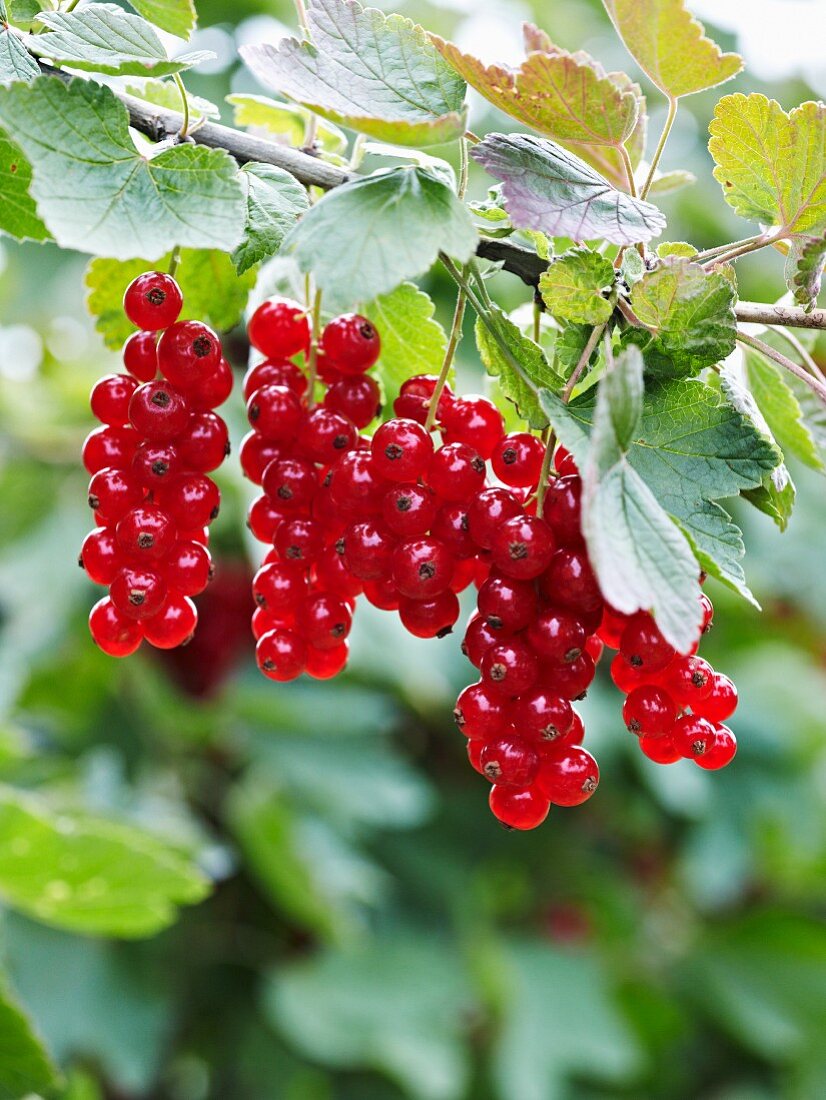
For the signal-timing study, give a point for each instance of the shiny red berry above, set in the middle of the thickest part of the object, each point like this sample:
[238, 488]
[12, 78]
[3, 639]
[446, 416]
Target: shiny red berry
[487, 511]
[146, 532]
[100, 555]
[368, 550]
[113, 492]
[138, 593]
[563, 509]
[114, 633]
[473, 420]
[569, 582]
[510, 667]
[649, 711]
[480, 713]
[323, 621]
[720, 752]
[279, 328]
[350, 344]
[721, 701]
[187, 567]
[401, 450]
[523, 547]
[557, 636]
[153, 301]
[692, 736]
[188, 352]
[408, 510]
[643, 646]
[275, 413]
[109, 446]
[275, 372]
[140, 355]
[158, 411]
[279, 587]
[540, 715]
[510, 761]
[356, 397]
[517, 459]
[518, 807]
[457, 471]
[431, 618]
[569, 776]
[479, 637]
[204, 443]
[422, 568]
[506, 603]
[110, 398]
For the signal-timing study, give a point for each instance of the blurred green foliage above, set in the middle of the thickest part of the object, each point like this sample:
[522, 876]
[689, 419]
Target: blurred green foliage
[372, 934]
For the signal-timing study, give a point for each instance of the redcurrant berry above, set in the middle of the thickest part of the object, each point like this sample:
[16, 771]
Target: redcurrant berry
[158, 411]
[510, 761]
[649, 711]
[140, 355]
[569, 777]
[279, 328]
[721, 701]
[138, 593]
[518, 807]
[523, 547]
[517, 460]
[114, 633]
[480, 713]
[401, 450]
[431, 618]
[153, 301]
[350, 343]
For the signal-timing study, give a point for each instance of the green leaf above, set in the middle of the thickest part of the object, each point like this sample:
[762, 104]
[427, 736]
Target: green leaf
[334, 1009]
[804, 269]
[565, 96]
[549, 189]
[666, 183]
[213, 291]
[275, 202]
[16, 63]
[102, 38]
[286, 120]
[175, 16]
[573, 287]
[165, 93]
[89, 874]
[640, 557]
[364, 238]
[22, 12]
[412, 340]
[25, 1067]
[781, 408]
[18, 213]
[368, 71]
[692, 450]
[670, 45]
[690, 313]
[528, 355]
[568, 349]
[97, 194]
[772, 165]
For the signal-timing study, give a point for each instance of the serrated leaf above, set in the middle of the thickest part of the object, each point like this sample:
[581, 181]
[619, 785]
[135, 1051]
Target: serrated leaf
[275, 202]
[565, 96]
[690, 315]
[164, 93]
[530, 357]
[175, 16]
[666, 183]
[568, 349]
[573, 287]
[412, 340]
[671, 46]
[676, 248]
[692, 450]
[18, 213]
[286, 120]
[369, 71]
[772, 165]
[781, 409]
[364, 238]
[804, 269]
[547, 188]
[212, 290]
[25, 1067]
[97, 194]
[102, 38]
[16, 63]
[88, 874]
[23, 12]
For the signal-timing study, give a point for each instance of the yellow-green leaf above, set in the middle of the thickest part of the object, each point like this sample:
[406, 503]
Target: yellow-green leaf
[285, 120]
[574, 285]
[412, 340]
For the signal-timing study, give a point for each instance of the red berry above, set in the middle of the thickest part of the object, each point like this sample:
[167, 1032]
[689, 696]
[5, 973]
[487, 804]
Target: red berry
[290, 483]
[625, 677]
[720, 752]
[279, 587]
[188, 352]
[138, 593]
[255, 455]
[721, 701]
[571, 681]
[509, 761]
[540, 715]
[263, 518]
[708, 612]
[473, 420]
[299, 539]
[505, 603]
[401, 450]
[156, 463]
[474, 754]
[689, 680]
[564, 462]
[323, 621]
[187, 567]
[356, 486]
[100, 555]
[509, 668]
[643, 646]
[487, 511]
[457, 471]
[523, 547]
[422, 568]
[112, 493]
[659, 749]
[557, 636]
[153, 301]
[109, 447]
[563, 509]
[204, 443]
[350, 344]
[192, 500]
[356, 397]
[432, 618]
[114, 633]
[146, 532]
[279, 328]
[174, 624]
[333, 575]
[275, 372]
[368, 550]
[451, 526]
[518, 460]
[517, 807]
[569, 776]
[382, 593]
[611, 627]
[649, 711]
[569, 582]
[158, 411]
[594, 647]
[275, 412]
[326, 435]
[408, 510]
[140, 355]
[691, 736]
[479, 637]
[110, 398]
[281, 655]
[480, 713]
[323, 664]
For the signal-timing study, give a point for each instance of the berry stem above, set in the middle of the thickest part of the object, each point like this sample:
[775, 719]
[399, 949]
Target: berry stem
[783, 361]
[658, 152]
[582, 363]
[629, 171]
[175, 260]
[537, 322]
[182, 133]
[545, 473]
[743, 249]
[301, 14]
[450, 351]
[315, 332]
[718, 249]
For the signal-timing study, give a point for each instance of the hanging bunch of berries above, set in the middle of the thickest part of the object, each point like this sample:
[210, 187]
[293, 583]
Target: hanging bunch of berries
[149, 462]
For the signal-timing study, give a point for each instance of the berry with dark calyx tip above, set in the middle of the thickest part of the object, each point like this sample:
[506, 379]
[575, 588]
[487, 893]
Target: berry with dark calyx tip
[153, 301]
[263, 518]
[255, 455]
[401, 450]
[299, 539]
[188, 352]
[479, 637]
[510, 667]
[521, 808]
[279, 328]
[708, 613]
[432, 618]
[691, 736]
[356, 485]
[542, 716]
[569, 582]
[568, 777]
[326, 435]
[275, 372]
[323, 621]
[506, 603]
[114, 633]
[110, 398]
[368, 550]
[480, 713]
[174, 624]
[324, 664]
[332, 574]
[721, 701]
[625, 677]
[643, 646]
[350, 343]
[140, 355]
[112, 493]
[649, 711]
[156, 463]
[689, 680]
[192, 500]
[451, 526]
[188, 567]
[557, 636]
[659, 749]
[109, 446]
[146, 532]
[562, 509]
[408, 510]
[594, 647]
[457, 471]
[213, 390]
[204, 443]
[422, 568]
[276, 413]
[487, 511]
[523, 547]
[291, 483]
[571, 681]
[720, 752]
[564, 462]
[158, 411]
[382, 593]
[138, 593]
[356, 397]
[100, 555]
[611, 627]
[473, 420]
[517, 459]
[510, 761]
[279, 587]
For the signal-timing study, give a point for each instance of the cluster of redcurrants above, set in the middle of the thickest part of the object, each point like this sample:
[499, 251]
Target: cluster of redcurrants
[675, 704]
[304, 593]
[150, 492]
